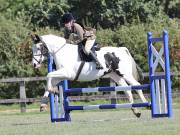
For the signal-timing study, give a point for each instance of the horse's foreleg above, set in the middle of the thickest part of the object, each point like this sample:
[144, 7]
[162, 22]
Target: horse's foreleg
[55, 77]
[44, 101]
[60, 73]
[49, 84]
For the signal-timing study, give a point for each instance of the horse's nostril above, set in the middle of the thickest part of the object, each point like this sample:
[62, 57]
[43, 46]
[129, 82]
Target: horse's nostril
[34, 65]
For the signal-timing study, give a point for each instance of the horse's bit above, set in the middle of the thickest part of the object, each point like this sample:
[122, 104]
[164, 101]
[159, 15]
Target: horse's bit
[44, 52]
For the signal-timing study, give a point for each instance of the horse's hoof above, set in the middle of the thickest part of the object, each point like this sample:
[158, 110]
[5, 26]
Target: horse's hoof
[50, 91]
[136, 112]
[138, 115]
[43, 108]
[53, 90]
[148, 107]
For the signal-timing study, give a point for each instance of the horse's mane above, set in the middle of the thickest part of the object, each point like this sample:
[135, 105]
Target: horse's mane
[53, 39]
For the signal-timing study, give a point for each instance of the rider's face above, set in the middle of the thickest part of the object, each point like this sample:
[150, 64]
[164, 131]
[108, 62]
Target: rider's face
[69, 25]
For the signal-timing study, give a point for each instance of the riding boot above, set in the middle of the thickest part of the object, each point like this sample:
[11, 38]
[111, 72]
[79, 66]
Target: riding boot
[98, 64]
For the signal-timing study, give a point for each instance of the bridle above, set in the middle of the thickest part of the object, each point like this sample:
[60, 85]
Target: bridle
[43, 48]
[44, 52]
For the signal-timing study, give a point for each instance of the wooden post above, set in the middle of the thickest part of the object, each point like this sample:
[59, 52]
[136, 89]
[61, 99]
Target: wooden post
[113, 93]
[22, 96]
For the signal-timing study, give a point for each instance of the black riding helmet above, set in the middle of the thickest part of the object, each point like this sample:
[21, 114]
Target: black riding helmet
[67, 17]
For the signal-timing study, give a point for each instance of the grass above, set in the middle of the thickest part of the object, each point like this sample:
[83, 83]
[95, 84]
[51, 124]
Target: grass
[107, 122]
[90, 123]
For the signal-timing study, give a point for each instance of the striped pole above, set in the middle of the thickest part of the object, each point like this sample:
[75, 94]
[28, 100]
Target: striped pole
[107, 89]
[107, 106]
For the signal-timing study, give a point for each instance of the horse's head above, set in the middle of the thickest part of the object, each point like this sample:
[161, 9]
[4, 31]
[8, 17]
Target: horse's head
[39, 51]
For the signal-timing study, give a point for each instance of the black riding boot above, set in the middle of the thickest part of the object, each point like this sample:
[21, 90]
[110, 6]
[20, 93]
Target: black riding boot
[98, 64]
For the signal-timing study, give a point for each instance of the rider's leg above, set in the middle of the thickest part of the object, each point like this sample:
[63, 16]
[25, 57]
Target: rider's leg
[89, 44]
[98, 64]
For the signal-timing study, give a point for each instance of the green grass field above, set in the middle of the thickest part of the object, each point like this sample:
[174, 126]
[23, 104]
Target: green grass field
[108, 122]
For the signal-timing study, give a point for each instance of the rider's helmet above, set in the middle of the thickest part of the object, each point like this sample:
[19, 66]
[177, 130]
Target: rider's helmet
[67, 17]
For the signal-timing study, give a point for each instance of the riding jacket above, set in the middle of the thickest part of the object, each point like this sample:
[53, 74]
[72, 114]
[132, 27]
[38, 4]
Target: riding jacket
[79, 33]
[75, 35]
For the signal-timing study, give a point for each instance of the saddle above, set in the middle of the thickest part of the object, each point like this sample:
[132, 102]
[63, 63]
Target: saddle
[111, 60]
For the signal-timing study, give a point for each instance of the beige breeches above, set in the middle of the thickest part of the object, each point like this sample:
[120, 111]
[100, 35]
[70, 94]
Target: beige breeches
[89, 44]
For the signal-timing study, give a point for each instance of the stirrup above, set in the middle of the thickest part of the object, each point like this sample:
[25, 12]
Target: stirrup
[98, 66]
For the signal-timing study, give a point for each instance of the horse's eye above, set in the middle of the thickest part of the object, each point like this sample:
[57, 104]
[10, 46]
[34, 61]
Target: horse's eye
[38, 49]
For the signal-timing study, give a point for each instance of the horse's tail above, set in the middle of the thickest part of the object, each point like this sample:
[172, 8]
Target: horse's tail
[137, 71]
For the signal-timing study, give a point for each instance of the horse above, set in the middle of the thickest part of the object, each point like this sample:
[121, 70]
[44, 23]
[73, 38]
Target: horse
[69, 64]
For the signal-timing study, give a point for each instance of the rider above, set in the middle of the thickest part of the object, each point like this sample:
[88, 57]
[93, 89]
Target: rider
[75, 33]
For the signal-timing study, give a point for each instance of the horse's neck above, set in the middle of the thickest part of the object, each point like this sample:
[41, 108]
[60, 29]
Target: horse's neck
[66, 55]
[53, 42]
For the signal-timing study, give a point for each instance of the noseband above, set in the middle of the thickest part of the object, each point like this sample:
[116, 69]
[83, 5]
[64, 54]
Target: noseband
[44, 52]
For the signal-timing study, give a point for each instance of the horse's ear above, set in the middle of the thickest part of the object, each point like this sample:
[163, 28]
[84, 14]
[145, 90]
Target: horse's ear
[35, 38]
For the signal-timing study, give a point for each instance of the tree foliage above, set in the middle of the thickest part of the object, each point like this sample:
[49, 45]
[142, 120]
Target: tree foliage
[118, 23]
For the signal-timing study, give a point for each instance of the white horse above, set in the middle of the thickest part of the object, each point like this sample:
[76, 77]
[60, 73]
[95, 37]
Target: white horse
[67, 62]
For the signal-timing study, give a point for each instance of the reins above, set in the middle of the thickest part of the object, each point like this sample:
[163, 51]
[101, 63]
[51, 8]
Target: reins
[44, 51]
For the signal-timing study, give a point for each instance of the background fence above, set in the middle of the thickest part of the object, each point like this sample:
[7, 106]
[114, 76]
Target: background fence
[23, 99]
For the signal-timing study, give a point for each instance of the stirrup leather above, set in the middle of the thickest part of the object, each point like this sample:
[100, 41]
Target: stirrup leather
[98, 64]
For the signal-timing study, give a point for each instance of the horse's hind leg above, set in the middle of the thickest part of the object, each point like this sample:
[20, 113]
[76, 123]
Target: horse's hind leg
[120, 81]
[130, 80]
